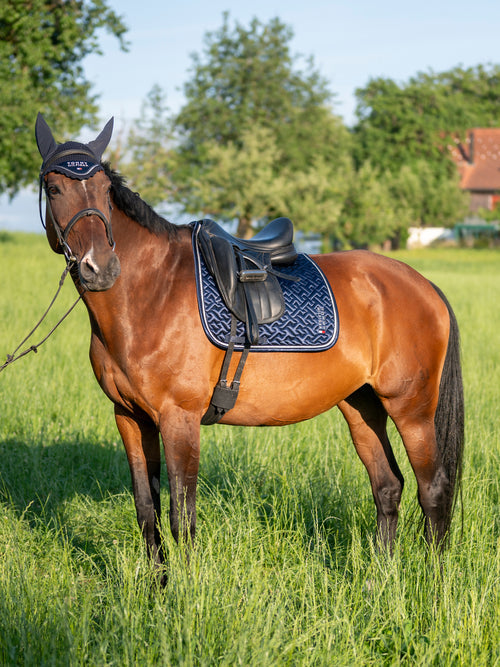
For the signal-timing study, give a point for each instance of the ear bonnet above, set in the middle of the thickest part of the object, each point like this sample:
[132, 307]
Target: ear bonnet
[73, 159]
[78, 161]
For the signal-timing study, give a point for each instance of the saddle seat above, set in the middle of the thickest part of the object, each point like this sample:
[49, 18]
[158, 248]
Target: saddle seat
[276, 238]
[244, 273]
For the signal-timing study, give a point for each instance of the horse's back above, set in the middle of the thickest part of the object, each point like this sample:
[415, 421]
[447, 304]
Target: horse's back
[392, 326]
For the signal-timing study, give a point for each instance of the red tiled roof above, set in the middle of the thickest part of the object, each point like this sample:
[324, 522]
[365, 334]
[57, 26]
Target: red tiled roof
[478, 161]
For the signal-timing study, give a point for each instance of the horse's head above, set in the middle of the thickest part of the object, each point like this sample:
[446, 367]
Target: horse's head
[78, 214]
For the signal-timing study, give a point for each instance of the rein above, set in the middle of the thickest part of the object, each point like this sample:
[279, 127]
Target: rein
[70, 263]
[62, 236]
[34, 348]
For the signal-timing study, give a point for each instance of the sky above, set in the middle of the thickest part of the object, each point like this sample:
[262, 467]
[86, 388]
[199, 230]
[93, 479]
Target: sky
[350, 41]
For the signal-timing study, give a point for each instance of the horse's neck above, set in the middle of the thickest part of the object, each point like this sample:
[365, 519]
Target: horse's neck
[150, 264]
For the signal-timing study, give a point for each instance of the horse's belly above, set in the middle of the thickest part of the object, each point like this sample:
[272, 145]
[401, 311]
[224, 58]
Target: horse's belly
[278, 389]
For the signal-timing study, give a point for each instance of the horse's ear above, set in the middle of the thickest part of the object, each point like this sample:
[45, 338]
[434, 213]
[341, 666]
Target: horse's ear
[44, 139]
[98, 146]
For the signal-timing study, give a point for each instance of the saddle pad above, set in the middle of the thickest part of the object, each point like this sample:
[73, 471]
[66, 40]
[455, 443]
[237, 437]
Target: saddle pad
[309, 324]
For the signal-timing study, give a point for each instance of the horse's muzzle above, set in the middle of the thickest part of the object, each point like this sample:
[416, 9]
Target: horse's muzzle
[95, 277]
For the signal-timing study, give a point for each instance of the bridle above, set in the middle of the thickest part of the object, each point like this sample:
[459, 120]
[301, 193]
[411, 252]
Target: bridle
[62, 234]
[49, 151]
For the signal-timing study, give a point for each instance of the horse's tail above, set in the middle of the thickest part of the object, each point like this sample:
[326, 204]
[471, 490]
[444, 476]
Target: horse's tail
[449, 417]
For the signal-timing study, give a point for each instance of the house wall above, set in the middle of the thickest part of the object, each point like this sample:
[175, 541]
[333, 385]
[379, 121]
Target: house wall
[481, 200]
[419, 237]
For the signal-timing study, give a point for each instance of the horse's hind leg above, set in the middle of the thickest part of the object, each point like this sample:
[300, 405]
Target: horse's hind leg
[415, 424]
[367, 420]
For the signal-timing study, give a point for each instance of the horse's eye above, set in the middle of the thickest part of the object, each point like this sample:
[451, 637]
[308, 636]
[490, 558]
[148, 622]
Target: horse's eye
[52, 190]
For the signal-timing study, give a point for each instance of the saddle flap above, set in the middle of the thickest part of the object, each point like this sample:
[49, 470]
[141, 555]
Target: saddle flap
[251, 301]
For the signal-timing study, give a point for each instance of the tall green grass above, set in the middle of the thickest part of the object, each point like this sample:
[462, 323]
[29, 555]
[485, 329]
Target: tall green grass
[284, 571]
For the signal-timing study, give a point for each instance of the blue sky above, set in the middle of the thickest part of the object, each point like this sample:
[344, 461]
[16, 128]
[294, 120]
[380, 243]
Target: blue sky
[351, 42]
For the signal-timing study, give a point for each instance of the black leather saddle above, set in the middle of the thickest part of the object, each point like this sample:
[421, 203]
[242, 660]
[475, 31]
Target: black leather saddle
[245, 272]
[276, 238]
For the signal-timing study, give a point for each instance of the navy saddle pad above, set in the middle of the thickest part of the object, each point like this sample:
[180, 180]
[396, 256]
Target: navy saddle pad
[310, 322]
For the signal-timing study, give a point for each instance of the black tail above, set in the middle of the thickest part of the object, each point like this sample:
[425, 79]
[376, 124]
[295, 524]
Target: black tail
[449, 417]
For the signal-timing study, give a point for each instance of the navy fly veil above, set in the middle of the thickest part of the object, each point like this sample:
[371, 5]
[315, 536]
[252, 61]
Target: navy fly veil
[72, 158]
[309, 324]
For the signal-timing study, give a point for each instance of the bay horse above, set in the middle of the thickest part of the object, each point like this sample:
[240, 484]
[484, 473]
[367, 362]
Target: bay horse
[397, 353]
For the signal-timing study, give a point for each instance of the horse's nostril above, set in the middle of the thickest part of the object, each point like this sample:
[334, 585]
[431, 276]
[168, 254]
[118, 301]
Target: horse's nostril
[98, 277]
[89, 266]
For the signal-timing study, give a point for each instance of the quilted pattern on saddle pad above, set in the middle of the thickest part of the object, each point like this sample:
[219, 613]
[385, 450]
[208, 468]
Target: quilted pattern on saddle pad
[310, 322]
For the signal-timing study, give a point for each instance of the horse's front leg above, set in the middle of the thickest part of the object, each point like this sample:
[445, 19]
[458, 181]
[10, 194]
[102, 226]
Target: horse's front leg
[141, 439]
[180, 431]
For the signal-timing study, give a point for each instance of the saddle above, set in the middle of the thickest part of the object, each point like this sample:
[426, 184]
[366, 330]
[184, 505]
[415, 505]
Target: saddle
[245, 274]
[244, 270]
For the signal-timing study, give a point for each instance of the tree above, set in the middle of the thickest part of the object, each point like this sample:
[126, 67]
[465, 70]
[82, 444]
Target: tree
[42, 45]
[245, 82]
[403, 123]
[314, 197]
[147, 150]
[427, 198]
[411, 127]
[237, 180]
[369, 215]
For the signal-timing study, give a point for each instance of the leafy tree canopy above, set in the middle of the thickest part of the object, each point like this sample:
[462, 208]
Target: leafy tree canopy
[42, 45]
[247, 81]
[147, 150]
[400, 124]
[426, 198]
[369, 213]
[257, 138]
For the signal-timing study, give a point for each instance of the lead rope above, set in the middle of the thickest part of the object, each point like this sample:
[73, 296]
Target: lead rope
[34, 348]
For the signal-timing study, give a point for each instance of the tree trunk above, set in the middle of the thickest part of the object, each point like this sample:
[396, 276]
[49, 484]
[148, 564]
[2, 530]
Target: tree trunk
[244, 230]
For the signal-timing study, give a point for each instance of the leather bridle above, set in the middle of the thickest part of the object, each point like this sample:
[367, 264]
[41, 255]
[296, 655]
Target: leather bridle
[62, 234]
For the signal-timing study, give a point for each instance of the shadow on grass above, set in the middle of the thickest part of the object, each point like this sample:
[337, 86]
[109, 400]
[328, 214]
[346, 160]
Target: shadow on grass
[292, 496]
[71, 487]
[41, 475]
[40, 480]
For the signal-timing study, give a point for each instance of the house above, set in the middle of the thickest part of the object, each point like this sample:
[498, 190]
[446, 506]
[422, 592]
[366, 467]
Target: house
[478, 163]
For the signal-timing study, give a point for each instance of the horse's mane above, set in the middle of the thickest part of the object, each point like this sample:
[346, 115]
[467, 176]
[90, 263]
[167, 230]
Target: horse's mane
[131, 204]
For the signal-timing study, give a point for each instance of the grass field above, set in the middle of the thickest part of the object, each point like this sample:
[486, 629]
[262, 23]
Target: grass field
[284, 571]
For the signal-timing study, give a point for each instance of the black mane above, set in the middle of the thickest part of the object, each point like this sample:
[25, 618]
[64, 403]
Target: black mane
[133, 206]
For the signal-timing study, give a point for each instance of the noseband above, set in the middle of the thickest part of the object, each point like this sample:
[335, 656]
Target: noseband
[62, 234]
